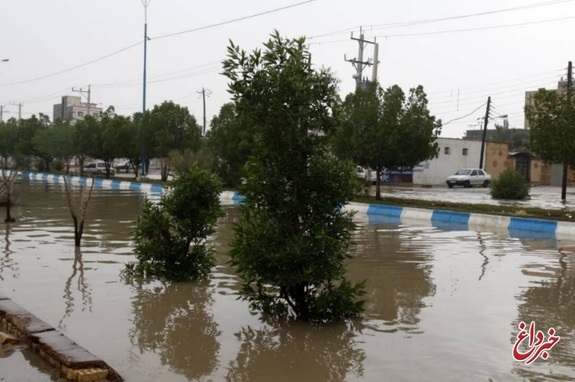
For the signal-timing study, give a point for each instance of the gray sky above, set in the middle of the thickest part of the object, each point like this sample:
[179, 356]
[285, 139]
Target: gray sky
[466, 51]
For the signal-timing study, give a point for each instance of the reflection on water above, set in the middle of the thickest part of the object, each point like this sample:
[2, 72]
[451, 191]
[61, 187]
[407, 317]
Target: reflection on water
[284, 353]
[397, 267]
[550, 303]
[81, 286]
[443, 303]
[174, 321]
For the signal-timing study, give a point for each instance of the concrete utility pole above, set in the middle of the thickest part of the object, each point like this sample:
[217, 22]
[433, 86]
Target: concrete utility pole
[19, 109]
[203, 93]
[88, 92]
[486, 120]
[1, 113]
[145, 3]
[566, 165]
[360, 64]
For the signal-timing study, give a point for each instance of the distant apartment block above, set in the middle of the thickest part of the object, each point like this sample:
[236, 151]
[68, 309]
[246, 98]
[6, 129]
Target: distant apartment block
[529, 98]
[72, 109]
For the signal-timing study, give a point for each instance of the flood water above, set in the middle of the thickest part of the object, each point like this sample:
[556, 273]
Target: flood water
[443, 304]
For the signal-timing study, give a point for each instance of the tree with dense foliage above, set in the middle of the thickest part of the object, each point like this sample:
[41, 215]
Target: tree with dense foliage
[552, 128]
[171, 236]
[9, 153]
[293, 238]
[57, 142]
[171, 127]
[86, 132]
[385, 129]
[231, 139]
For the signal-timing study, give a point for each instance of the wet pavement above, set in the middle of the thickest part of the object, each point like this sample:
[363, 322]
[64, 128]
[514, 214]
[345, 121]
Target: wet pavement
[546, 197]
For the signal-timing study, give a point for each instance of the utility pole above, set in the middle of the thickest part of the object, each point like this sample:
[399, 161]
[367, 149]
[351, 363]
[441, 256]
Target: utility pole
[19, 110]
[203, 93]
[359, 63]
[486, 120]
[88, 92]
[566, 165]
[145, 3]
[1, 113]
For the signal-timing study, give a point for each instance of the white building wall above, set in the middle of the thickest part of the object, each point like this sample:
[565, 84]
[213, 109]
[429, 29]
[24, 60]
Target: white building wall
[453, 155]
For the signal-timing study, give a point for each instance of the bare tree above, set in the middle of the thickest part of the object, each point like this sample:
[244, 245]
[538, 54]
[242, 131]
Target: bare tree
[6, 187]
[78, 209]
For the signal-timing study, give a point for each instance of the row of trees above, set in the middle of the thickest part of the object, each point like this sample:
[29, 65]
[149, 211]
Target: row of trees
[169, 128]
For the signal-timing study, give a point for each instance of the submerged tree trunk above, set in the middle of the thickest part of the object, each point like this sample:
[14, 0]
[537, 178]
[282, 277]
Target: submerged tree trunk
[78, 212]
[7, 183]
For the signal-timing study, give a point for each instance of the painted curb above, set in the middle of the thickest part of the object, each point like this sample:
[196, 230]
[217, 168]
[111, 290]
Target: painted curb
[393, 214]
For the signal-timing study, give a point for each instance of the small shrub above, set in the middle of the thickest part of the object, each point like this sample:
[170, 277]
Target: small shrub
[171, 236]
[511, 185]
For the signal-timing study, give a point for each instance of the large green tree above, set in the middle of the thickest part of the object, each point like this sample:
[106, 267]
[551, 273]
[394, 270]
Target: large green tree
[292, 239]
[171, 127]
[552, 128]
[231, 139]
[57, 142]
[384, 129]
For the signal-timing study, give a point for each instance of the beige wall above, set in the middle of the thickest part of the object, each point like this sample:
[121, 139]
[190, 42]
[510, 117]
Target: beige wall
[496, 160]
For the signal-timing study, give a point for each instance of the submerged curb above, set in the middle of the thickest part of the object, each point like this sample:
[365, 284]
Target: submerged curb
[66, 356]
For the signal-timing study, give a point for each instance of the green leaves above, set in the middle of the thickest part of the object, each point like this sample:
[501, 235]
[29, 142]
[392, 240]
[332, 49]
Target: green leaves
[170, 237]
[292, 240]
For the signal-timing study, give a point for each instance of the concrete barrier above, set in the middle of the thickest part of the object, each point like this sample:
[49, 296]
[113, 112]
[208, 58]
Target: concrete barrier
[63, 354]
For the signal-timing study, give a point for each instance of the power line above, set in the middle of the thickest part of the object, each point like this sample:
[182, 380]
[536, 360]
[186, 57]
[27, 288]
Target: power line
[440, 19]
[465, 116]
[156, 38]
[234, 20]
[70, 69]
[478, 28]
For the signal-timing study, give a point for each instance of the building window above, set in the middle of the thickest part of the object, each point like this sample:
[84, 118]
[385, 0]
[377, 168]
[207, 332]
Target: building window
[447, 151]
[96, 115]
[465, 151]
[80, 114]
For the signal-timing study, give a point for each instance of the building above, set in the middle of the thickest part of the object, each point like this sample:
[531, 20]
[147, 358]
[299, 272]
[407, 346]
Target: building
[453, 154]
[72, 109]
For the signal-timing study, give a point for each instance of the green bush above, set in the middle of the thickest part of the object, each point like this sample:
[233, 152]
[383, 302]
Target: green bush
[511, 185]
[171, 236]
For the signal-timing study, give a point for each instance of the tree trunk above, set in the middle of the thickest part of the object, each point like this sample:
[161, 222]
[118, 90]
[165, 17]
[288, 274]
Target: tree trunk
[9, 218]
[300, 302]
[378, 184]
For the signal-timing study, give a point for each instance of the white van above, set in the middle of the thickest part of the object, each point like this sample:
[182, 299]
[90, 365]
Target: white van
[98, 169]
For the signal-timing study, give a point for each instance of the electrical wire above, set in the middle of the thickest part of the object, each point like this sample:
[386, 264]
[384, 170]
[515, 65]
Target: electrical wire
[465, 116]
[72, 68]
[234, 20]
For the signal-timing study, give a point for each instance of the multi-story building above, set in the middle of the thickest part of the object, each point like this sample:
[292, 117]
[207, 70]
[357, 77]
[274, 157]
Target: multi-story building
[72, 109]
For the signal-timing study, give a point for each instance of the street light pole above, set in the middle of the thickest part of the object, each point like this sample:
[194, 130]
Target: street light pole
[145, 3]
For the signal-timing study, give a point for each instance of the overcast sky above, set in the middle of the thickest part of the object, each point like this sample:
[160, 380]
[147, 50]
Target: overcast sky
[461, 51]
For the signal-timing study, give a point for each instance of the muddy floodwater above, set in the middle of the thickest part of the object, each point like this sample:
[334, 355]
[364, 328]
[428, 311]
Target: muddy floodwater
[443, 303]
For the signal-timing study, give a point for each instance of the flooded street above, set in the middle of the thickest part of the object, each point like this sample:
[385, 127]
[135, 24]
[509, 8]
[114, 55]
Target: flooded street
[442, 304]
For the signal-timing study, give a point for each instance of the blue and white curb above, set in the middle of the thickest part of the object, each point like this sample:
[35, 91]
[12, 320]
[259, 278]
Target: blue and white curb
[463, 221]
[376, 213]
[99, 183]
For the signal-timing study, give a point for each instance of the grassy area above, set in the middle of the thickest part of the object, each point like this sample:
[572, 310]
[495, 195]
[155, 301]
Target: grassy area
[525, 212]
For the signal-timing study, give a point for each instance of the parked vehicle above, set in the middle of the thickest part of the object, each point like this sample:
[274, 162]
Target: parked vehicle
[469, 177]
[97, 169]
[124, 166]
